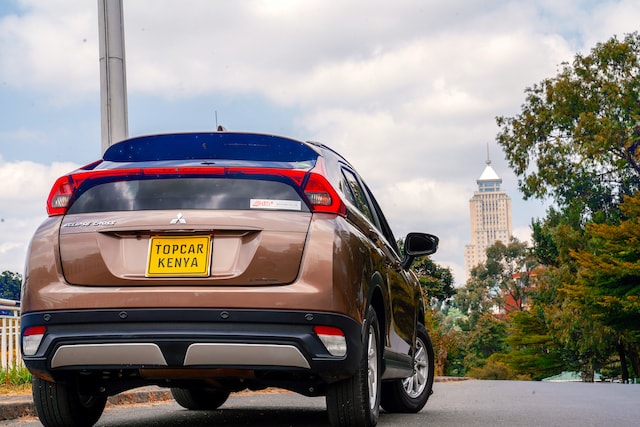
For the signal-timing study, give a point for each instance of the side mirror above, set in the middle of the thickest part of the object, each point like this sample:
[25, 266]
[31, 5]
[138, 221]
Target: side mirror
[418, 244]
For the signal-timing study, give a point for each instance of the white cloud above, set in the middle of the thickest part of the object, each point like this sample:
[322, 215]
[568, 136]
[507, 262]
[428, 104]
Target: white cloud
[53, 49]
[26, 186]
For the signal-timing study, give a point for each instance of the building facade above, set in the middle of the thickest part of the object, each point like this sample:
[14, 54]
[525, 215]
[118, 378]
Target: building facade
[490, 215]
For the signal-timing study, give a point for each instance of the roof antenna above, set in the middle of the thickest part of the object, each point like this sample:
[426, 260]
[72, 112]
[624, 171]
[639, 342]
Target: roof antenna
[219, 128]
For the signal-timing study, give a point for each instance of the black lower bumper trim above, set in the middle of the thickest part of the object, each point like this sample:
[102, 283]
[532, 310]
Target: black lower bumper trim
[258, 340]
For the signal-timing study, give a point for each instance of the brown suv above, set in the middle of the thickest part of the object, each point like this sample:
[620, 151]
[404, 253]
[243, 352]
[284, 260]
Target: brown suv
[215, 262]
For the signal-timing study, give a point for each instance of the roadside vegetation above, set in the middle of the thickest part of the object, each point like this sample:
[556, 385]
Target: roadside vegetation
[16, 380]
[571, 301]
[10, 285]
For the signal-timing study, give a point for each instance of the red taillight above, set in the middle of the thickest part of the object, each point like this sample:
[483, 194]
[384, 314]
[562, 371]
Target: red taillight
[321, 194]
[34, 330]
[328, 330]
[60, 196]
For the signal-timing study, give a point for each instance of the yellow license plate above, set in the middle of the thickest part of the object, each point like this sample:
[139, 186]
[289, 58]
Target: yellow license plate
[179, 256]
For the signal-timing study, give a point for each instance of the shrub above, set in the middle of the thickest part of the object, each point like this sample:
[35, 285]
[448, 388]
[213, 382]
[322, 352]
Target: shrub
[15, 376]
[492, 370]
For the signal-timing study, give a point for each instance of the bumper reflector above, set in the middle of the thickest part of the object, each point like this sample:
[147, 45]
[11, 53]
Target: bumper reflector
[31, 339]
[333, 339]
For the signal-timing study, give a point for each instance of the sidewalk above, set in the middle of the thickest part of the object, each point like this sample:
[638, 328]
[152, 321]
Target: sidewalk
[12, 407]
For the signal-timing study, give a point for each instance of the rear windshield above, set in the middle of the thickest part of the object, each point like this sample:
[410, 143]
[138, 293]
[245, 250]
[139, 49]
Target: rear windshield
[188, 193]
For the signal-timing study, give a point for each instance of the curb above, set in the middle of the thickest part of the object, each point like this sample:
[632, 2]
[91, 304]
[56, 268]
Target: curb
[12, 407]
[450, 379]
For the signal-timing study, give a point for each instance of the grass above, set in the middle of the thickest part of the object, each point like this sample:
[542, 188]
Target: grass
[15, 380]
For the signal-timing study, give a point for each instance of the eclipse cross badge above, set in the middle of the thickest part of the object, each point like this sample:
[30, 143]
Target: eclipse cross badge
[179, 219]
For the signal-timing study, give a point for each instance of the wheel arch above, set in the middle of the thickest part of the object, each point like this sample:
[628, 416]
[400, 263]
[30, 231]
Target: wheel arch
[376, 300]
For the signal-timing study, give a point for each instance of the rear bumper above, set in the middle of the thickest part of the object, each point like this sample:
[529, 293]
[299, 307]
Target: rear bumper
[256, 340]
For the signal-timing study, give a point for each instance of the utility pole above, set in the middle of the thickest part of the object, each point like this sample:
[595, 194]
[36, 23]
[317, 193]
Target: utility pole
[113, 81]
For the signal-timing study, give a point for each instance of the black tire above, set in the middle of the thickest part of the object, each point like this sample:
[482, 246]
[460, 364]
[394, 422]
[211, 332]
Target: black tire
[199, 398]
[355, 402]
[61, 405]
[409, 395]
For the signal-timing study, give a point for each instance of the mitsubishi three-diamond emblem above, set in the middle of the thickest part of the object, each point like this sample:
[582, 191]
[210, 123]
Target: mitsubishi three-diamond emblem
[179, 219]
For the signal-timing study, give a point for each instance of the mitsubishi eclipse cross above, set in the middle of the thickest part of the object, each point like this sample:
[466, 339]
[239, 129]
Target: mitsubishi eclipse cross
[211, 263]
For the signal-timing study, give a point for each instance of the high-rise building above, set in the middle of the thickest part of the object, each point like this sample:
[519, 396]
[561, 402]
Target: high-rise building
[490, 214]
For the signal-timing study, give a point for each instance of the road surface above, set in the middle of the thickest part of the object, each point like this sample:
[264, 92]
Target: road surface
[462, 403]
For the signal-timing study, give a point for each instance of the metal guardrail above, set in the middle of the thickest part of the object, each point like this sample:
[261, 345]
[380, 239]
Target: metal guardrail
[10, 355]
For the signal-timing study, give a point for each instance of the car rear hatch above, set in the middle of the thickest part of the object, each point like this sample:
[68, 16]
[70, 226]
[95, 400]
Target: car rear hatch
[151, 214]
[194, 246]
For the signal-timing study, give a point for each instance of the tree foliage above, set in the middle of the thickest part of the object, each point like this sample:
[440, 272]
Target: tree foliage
[436, 281]
[502, 282]
[610, 268]
[483, 339]
[577, 141]
[577, 138]
[609, 278]
[510, 267]
[533, 353]
[11, 284]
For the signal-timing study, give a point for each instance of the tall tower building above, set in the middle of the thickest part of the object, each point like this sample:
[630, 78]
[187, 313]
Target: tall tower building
[490, 214]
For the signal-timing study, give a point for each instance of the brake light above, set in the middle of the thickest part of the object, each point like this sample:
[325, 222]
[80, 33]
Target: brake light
[31, 339]
[60, 196]
[321, 194]
[333, 339]
[317, 192]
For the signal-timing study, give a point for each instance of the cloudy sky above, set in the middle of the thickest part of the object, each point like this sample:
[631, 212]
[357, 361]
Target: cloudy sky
[407, 90]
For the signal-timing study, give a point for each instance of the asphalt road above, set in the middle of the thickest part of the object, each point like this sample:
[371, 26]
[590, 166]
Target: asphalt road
[464, 403]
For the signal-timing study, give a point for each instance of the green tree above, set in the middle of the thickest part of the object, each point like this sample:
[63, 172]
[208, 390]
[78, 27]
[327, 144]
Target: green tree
[577, 142]
[502, 282]
[509, 268]
[475, 298]
[11, 284]
[577, 138]
[500, 285]
[610, 268]
[609, 275]
[486, 338]
[533, 352]
[436, 280]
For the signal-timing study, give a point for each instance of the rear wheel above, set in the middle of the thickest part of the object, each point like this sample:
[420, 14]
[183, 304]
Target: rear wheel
[199, 398]
[62, 405]
[356, 400]
[411, 394]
